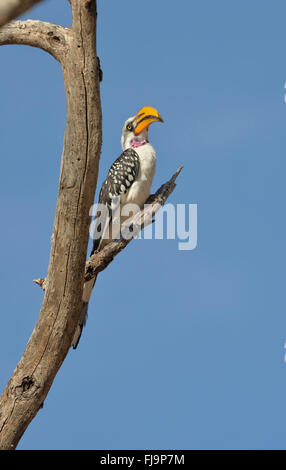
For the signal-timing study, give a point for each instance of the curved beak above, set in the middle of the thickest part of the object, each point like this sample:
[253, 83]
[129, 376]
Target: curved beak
[145, 117]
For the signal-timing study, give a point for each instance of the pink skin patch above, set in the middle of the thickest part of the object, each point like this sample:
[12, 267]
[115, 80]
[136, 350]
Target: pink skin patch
[137, 143]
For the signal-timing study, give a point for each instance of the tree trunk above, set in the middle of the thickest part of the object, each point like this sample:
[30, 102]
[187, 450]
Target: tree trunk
[53, 333]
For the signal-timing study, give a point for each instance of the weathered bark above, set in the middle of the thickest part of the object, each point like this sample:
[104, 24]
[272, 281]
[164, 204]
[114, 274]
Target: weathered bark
[52, 38]
[10, 9]
[53, 333]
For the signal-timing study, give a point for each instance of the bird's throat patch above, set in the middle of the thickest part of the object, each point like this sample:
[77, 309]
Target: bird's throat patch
[137, 143]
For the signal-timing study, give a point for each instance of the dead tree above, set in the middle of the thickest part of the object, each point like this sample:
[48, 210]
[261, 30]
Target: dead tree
[75, 49]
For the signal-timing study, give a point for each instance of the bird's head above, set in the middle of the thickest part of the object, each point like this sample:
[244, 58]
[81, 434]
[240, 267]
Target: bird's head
[135, 129]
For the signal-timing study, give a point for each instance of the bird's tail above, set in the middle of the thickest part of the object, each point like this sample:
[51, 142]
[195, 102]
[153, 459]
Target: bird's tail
[88, 286]
[87, 290]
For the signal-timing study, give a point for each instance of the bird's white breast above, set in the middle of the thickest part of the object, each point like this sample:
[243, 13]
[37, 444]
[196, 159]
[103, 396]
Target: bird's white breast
[140, 189]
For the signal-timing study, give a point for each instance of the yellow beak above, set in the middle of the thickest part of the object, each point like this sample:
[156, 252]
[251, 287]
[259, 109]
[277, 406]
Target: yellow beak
[145, 117]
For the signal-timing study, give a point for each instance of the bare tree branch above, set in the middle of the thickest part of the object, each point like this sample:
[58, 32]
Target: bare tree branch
[51, 38]
[100, 260]
[53, 333]
[10, 9]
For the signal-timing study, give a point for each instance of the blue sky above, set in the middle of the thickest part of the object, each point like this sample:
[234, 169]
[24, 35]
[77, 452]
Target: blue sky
[183, 349]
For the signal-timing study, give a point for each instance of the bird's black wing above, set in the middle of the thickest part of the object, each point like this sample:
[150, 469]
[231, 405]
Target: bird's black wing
[121, 175]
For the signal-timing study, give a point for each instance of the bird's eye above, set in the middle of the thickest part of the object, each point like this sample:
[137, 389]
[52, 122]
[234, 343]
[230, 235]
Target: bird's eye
[129, 127]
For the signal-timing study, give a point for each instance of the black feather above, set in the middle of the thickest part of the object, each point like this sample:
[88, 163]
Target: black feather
[115, 184]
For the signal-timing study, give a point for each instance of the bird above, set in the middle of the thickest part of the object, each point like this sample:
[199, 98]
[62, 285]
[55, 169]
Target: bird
[128, 181]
